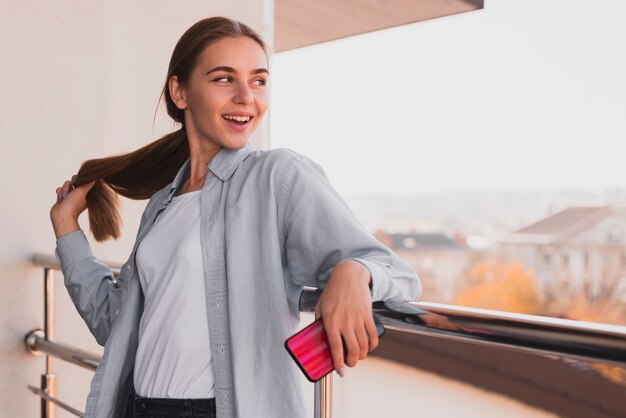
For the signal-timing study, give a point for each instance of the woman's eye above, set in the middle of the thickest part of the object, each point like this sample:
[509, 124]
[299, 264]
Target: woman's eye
[222, 78]
[261, 82]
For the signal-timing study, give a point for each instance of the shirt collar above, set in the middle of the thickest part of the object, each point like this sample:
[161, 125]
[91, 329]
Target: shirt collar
[223, 165]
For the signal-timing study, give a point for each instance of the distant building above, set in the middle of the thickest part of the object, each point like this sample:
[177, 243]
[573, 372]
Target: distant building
[441, 261]
[580, 249]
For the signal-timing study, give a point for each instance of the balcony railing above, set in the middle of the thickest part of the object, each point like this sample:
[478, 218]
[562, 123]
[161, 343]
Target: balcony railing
[527, 333]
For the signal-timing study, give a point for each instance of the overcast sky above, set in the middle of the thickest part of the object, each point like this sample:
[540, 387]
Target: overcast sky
[523, 95]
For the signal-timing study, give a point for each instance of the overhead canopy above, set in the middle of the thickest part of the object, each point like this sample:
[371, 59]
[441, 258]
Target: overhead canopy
[301, 23]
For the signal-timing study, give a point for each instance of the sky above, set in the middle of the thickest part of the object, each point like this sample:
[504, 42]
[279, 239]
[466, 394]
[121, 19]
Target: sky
[524, 95]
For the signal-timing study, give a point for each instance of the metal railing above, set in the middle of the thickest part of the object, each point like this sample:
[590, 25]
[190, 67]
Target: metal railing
[528, 333]
[40, 341]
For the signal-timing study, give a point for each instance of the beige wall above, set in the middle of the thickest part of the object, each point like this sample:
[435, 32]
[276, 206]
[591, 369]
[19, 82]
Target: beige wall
[81, 80]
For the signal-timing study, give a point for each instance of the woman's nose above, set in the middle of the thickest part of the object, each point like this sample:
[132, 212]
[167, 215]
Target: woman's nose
[243, 94]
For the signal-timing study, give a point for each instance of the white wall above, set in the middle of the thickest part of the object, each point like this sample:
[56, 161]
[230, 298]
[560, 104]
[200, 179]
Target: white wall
[79, 80]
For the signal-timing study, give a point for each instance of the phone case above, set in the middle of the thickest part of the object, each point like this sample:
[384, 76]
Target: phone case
[310, 350]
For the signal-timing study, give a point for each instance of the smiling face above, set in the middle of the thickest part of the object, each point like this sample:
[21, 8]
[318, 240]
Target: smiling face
[226, 94]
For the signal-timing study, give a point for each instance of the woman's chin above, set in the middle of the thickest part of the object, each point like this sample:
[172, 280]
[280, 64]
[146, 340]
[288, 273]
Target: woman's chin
[237, 143]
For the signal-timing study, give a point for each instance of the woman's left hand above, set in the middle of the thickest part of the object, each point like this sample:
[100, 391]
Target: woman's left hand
[346, 306]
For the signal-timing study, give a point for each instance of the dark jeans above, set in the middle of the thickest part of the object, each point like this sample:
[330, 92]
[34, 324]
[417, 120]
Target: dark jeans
[140, 407]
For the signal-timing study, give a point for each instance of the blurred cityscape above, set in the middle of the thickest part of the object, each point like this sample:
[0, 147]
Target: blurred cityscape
[560, 254]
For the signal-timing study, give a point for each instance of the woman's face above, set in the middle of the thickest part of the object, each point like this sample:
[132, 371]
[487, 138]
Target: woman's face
[226, 94]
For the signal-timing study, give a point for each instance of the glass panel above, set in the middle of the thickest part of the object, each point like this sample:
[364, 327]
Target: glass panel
[484, 148]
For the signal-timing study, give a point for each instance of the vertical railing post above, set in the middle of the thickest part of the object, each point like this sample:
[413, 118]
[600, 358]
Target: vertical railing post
[323, 403]
[48, 380]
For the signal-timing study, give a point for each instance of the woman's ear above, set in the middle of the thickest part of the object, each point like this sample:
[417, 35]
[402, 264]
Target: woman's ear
[177, 92]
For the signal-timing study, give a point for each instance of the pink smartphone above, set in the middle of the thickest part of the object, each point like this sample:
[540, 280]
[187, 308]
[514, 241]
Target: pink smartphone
[311, 352]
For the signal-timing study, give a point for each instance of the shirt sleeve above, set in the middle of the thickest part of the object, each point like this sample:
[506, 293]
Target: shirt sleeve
[319, 230]
[90, 284]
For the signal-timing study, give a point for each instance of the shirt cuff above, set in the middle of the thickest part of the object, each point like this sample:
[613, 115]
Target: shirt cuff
[72, 248]
[380, 279]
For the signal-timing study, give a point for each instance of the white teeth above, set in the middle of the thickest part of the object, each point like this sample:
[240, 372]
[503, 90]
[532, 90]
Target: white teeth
[237, 118]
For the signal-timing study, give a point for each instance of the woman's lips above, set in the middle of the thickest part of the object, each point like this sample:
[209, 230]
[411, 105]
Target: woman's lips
[239, 127]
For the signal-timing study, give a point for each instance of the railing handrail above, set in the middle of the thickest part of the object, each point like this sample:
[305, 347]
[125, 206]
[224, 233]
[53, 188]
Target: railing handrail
[544, 335]
[573, 324]
[566, 337]
[523, 332]
[37, 343]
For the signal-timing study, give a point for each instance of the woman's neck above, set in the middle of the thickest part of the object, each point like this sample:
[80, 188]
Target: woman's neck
[199, 168]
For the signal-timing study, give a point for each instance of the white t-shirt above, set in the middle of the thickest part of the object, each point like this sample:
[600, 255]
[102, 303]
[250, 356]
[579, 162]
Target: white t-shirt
[173, 357]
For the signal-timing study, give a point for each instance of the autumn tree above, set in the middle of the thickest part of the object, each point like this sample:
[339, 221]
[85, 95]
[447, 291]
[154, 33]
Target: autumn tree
[509, 287]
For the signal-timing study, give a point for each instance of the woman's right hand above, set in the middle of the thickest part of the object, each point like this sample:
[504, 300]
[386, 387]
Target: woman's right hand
[71, 202]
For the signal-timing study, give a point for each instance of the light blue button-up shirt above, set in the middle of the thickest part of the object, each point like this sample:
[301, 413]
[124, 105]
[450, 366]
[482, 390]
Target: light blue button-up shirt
[270, 224]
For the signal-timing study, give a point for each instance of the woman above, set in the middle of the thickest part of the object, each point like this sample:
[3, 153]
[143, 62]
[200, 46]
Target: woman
[230, 235]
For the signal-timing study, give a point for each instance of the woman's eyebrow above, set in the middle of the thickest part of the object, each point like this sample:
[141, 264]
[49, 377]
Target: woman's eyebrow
[232, 70]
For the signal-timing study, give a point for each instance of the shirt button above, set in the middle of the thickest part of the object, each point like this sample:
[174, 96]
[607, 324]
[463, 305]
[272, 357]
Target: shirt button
[217, 302]
[225, 399]
[129, 267]
[117, 312]
[222, 350]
